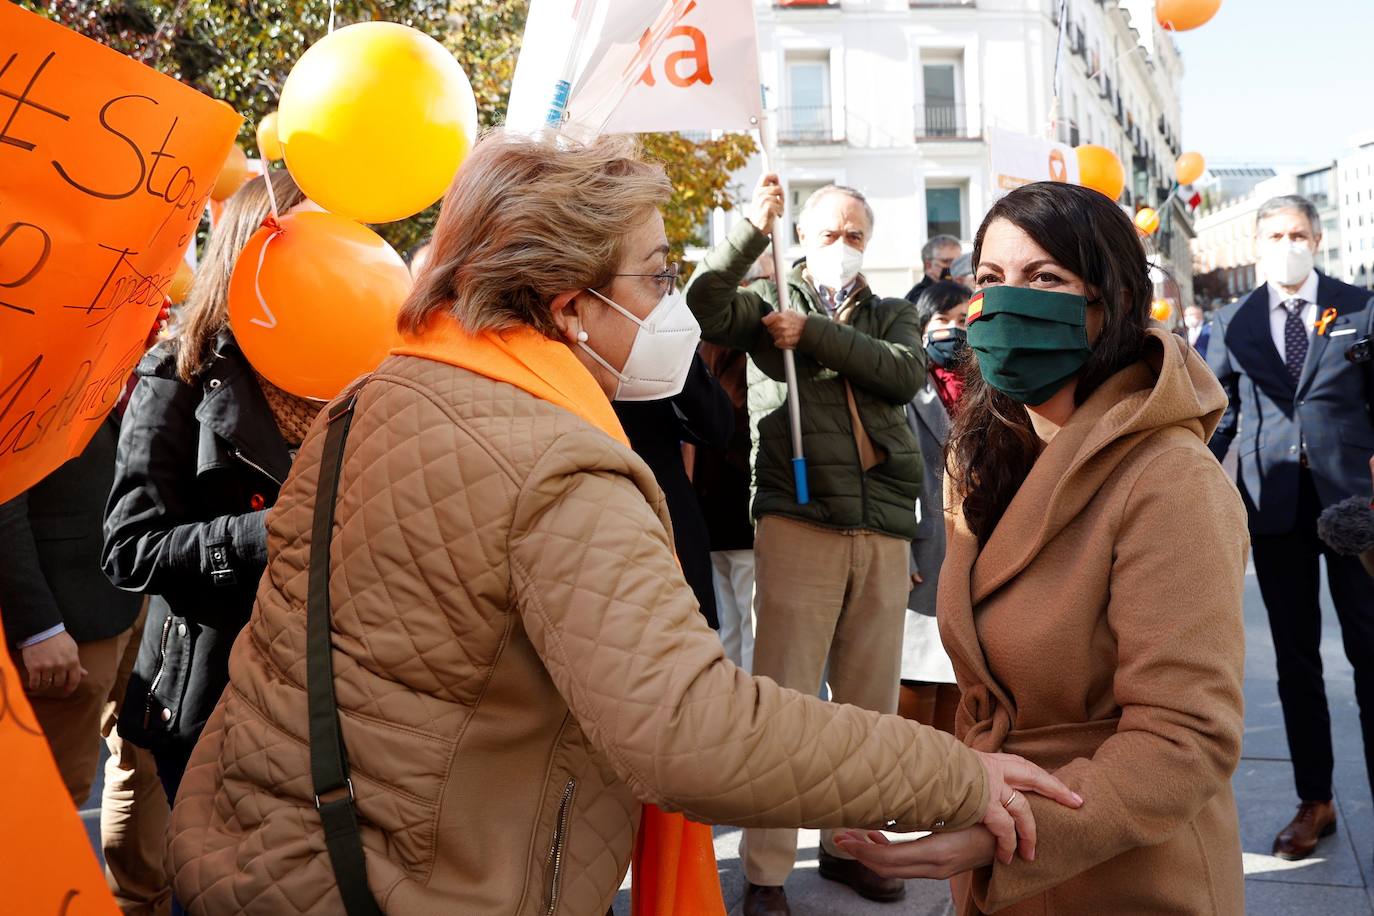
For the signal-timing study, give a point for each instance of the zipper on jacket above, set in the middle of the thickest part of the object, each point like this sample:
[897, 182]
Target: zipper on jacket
[255, 466]
[560, 836]
[157, 676]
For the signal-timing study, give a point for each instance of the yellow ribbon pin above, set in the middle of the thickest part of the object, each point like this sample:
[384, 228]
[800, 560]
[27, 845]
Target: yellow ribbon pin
[1324, 322]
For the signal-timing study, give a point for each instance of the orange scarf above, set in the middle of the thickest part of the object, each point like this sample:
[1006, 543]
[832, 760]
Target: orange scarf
[674, 859]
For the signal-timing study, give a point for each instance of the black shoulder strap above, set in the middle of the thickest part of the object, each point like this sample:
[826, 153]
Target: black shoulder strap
[328, 756]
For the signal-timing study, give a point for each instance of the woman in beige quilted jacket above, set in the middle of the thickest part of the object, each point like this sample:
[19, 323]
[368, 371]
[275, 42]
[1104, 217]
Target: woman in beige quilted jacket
[517, 660]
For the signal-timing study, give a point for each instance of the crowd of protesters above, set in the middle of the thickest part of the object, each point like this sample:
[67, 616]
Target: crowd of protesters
[509, 547]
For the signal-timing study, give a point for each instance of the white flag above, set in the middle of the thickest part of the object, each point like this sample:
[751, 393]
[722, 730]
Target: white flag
[634, 66]
[1019, 159]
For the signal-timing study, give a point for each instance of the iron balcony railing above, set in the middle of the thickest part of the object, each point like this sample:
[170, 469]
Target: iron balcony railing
[809, 124]
[944, 122]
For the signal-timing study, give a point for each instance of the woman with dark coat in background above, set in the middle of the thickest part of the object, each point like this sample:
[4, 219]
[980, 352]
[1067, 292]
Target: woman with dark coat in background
[700, 415]
[203, 450]
[929, 694]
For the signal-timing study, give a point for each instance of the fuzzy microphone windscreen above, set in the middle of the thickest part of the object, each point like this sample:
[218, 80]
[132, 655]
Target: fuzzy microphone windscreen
[1348, 526]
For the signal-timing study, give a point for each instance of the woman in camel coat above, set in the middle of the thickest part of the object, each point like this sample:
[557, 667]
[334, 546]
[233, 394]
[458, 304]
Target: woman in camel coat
[1078, 471]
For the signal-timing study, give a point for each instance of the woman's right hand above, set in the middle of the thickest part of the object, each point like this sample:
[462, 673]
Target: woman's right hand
[1008, 816]
[767, 203]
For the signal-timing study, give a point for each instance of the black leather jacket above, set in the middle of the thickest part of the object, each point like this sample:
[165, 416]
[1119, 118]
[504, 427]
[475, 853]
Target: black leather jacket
[198, 466]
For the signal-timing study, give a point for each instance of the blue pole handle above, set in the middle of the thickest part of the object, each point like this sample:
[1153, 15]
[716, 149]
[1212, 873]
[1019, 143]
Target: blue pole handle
[799, 474]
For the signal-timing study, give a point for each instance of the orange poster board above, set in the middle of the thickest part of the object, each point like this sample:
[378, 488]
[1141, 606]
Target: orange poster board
[47, 865]
[105, 168]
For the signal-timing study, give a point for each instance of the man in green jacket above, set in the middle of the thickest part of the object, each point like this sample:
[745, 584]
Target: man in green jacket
[832, 575]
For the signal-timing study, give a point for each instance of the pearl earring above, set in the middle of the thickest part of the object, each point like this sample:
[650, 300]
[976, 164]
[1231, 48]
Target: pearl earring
[582, 337]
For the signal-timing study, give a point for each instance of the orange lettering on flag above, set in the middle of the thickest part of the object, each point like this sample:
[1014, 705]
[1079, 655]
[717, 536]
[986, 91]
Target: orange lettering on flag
[105, 167]
[698, 54]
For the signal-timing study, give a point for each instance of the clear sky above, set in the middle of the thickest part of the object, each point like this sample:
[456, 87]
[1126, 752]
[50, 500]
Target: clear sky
[1278, 81]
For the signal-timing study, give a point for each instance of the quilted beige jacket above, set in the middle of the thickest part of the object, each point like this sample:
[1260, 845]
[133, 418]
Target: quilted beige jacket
[519, 663]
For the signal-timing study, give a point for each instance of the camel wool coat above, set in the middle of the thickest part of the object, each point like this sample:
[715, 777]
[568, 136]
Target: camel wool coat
[1079, 644]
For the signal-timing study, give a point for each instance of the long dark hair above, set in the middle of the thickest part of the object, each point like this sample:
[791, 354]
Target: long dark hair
[993, 445]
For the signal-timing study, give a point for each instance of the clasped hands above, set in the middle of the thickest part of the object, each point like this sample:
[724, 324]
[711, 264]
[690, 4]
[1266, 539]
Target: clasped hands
[1007, 827]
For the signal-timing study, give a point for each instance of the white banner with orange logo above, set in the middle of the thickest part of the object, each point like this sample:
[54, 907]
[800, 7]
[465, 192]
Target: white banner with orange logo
[637, 66]
[1019, 159]
[705, 75]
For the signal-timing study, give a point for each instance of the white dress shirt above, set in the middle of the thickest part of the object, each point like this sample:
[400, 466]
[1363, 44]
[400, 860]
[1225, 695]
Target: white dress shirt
[1278, 315]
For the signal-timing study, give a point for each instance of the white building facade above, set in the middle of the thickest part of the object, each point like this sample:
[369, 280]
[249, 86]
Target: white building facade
[1224, 255]
[896, 97]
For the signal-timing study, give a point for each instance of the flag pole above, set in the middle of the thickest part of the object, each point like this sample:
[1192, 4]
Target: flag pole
[789, 358]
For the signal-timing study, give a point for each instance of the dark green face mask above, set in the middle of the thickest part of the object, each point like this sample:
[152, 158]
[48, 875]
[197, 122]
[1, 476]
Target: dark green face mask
[1029, 341]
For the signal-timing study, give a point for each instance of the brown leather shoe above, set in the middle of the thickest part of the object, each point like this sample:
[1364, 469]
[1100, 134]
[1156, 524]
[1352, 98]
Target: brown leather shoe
[1313, 821]
[861, 879]
[765, 901]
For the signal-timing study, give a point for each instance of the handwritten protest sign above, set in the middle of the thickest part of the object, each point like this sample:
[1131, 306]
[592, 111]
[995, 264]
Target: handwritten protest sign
[105, 168]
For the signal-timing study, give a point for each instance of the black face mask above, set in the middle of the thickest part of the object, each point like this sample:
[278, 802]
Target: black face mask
[946, 346]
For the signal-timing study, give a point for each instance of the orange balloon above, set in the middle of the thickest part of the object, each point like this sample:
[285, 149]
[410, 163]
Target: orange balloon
[1147, 221]
[232, 175]
[1189, 168]
[1183, 15]
[1100, 169]
[181, 283]
[1161, 310]
[314, 302]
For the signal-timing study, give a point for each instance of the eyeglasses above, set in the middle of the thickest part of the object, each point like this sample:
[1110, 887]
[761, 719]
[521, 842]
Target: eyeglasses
[666, 279]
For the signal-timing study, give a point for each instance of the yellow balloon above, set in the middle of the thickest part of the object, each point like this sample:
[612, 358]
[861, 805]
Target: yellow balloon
[1161, 310]
[1147, 221]
[268, 144]
[1184, 15]
[1189, 168]
[1100, 169]
[374, 121]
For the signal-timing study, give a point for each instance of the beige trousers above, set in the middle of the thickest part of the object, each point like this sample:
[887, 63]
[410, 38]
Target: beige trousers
[72, 723]
[133, 809]
[824, 595]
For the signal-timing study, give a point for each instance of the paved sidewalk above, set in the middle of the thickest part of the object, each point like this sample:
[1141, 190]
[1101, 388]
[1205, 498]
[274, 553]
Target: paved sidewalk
[1337, 881]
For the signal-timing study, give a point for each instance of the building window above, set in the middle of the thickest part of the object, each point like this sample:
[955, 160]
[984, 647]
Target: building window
[807, 117]
[941, 115]
[945, 212]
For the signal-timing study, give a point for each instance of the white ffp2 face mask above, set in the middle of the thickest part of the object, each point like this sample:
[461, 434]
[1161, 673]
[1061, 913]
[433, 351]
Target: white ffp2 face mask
[1287, 263]
[661, 355]
[834, 266]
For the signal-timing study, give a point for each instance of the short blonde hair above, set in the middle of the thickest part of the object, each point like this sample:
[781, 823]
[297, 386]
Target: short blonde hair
[528, 218]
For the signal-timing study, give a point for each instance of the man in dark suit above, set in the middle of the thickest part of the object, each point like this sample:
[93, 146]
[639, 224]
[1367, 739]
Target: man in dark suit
[1300, 419]
[937, 259]
[1196, 330]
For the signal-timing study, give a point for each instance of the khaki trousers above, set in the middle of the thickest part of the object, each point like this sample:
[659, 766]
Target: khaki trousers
[133, 809]
[72, 723]
[825, 595]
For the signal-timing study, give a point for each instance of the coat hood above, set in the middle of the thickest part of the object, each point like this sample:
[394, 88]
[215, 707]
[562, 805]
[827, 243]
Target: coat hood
[1169, 389]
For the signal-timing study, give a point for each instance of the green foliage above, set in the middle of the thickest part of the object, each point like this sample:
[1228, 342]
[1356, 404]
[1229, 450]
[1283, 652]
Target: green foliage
[242, 50]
